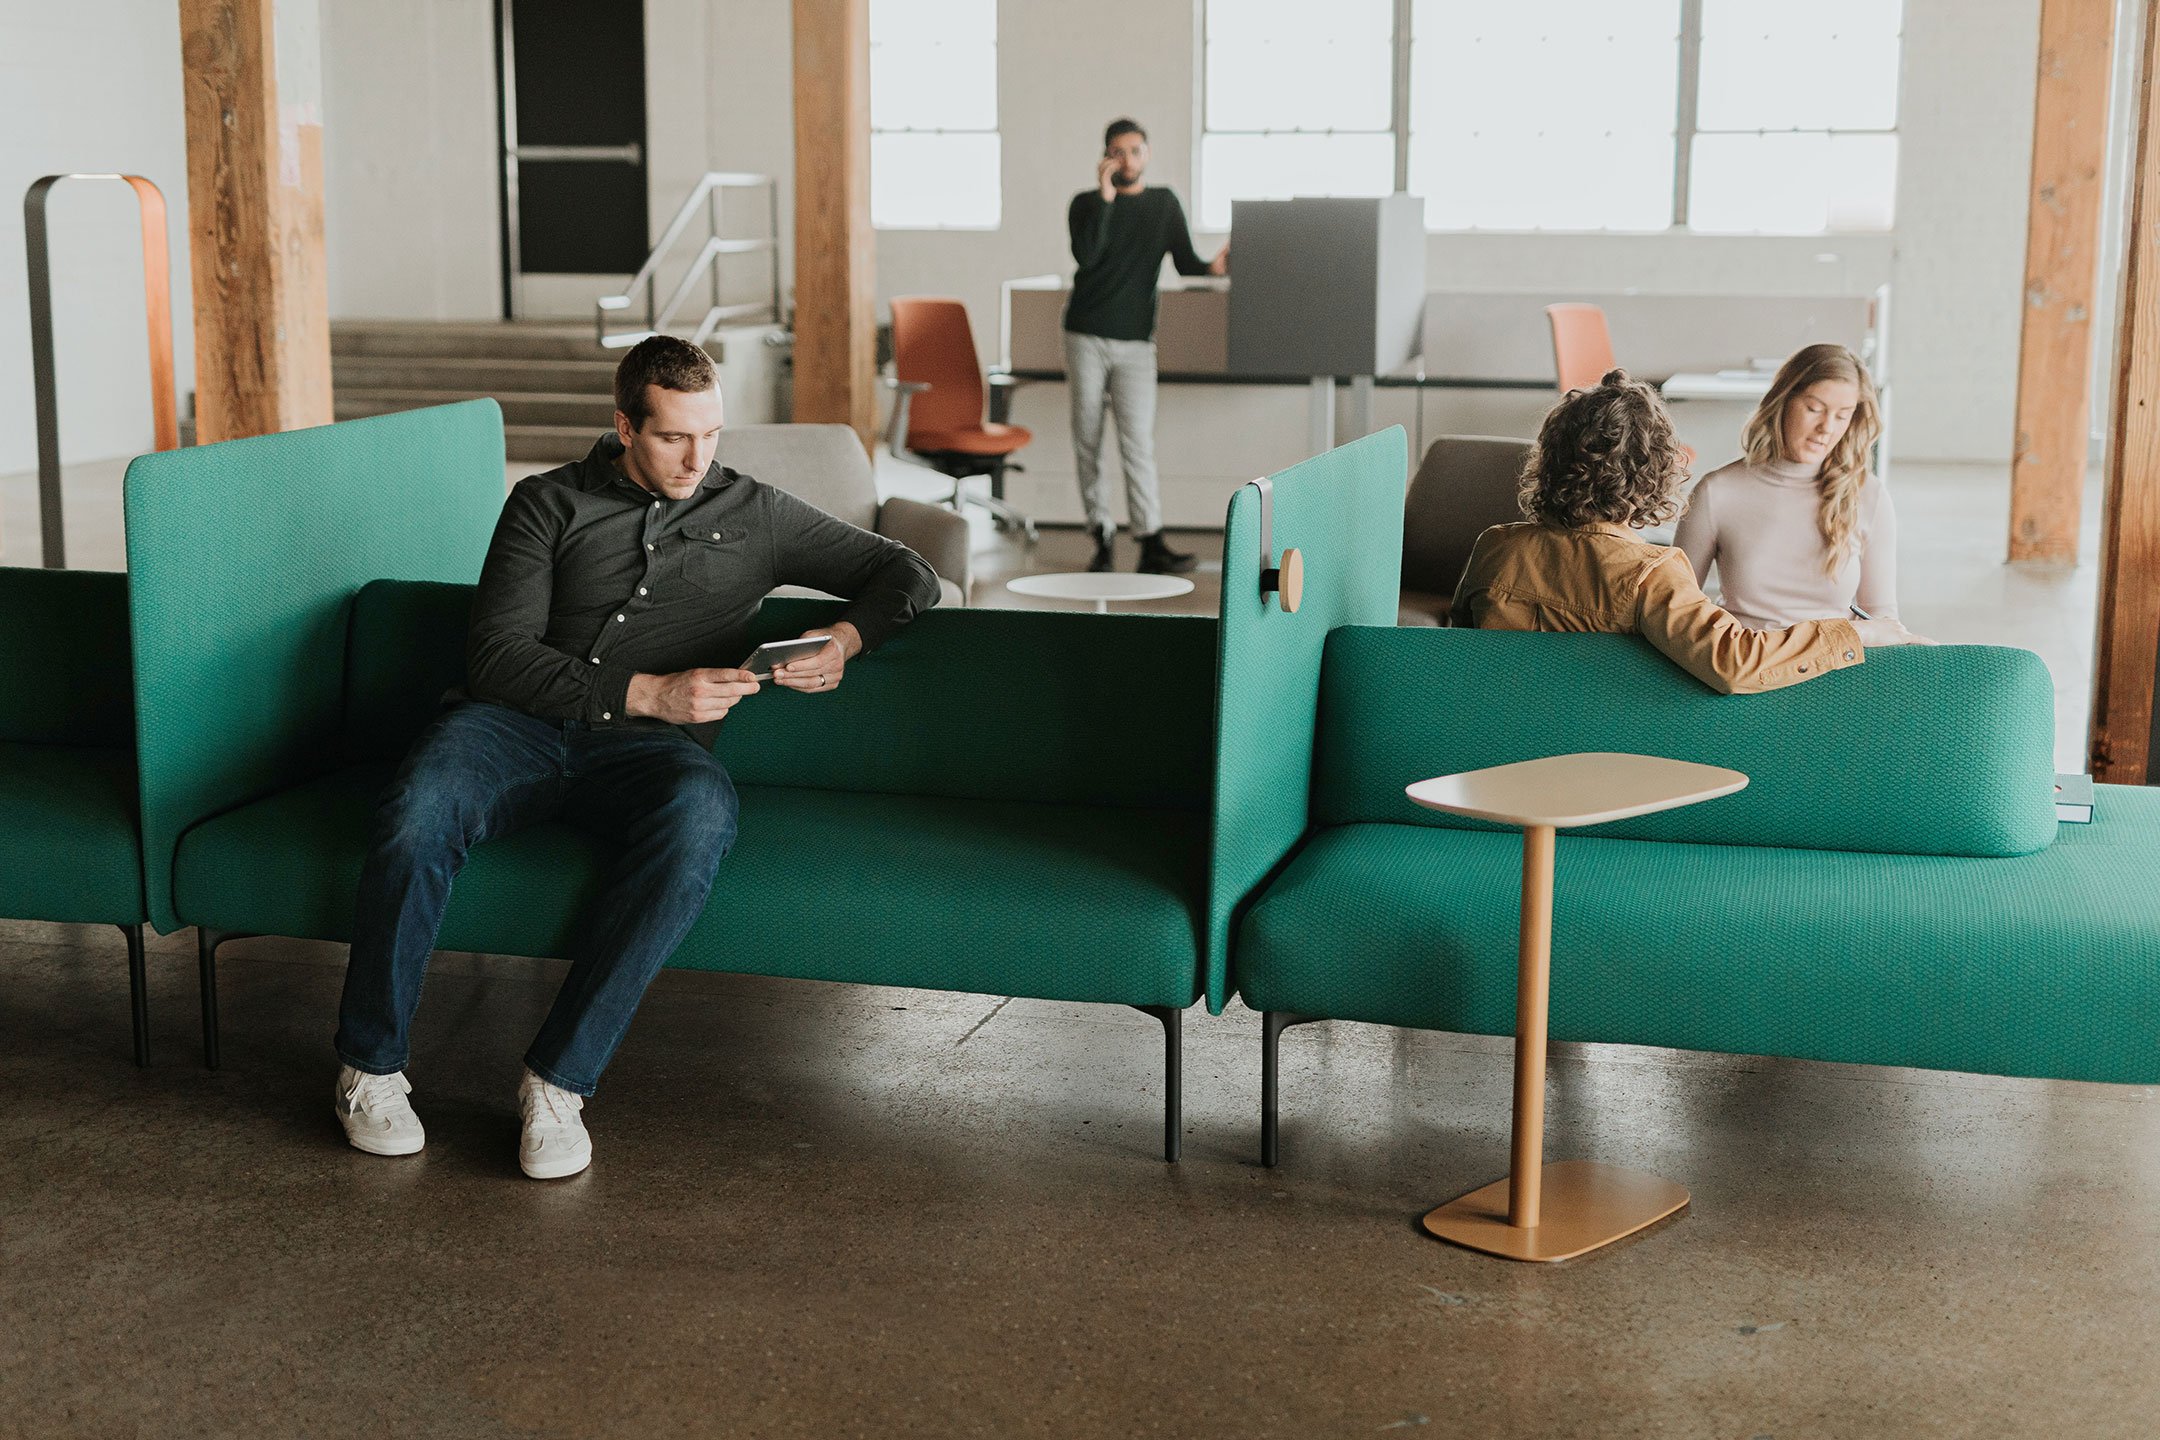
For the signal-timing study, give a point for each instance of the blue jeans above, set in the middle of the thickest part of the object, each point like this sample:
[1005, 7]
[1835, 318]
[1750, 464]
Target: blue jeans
[663, 805]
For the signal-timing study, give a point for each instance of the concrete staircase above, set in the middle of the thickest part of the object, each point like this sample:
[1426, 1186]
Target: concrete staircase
[553, 380]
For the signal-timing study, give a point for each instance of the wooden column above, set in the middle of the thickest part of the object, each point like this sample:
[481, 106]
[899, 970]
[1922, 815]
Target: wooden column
[253, 87]
[2125, 648]
[2062, 234]
[835, 249]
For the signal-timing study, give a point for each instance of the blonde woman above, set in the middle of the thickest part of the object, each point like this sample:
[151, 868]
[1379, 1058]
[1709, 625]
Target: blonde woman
[1798, 528]
[1605, 465]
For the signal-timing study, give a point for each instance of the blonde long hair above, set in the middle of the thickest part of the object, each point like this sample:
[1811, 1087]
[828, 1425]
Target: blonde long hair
[1845, 469]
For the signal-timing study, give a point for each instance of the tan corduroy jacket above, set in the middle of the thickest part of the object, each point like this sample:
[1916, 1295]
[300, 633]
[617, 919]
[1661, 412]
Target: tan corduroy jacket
[1605, 578]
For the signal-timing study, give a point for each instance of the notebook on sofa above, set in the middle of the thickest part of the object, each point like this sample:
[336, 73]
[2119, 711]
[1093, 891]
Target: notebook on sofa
[2074, 799]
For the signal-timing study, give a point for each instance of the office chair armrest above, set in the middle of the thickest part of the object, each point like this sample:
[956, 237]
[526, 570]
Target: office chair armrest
[937, 534]
[896, 428]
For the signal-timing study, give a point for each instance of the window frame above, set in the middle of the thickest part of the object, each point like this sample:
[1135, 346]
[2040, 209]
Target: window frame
[996, 131]
[1687, 84]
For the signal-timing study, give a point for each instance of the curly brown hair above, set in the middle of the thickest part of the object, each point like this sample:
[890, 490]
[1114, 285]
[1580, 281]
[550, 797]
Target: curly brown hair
[1605, 454]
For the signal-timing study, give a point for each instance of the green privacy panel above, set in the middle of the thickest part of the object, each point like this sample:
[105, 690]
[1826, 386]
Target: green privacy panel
[1344, 512]
[243, 561]
[1920, 751]
[2042, 965]
[990, 704]
[64, 659]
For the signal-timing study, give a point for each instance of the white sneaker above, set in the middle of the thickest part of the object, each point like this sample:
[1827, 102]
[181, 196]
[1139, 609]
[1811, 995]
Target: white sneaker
[554, 1143]
[375, 1113]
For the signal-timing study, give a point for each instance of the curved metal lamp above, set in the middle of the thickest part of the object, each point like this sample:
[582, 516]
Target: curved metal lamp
[157, 304]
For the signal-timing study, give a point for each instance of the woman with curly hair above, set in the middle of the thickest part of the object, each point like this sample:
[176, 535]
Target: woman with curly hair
[1605, 465]
[1798, 528]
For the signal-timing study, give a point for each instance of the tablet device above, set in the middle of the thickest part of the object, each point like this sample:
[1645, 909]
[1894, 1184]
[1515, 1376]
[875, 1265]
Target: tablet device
[775, 653]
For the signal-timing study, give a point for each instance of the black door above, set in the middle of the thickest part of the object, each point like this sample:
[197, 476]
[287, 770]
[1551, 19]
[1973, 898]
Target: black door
[573, 133]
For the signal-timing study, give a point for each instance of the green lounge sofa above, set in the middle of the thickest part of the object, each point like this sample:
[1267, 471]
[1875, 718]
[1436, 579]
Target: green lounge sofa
[70, 845]
[1890, 889]
[998, 801]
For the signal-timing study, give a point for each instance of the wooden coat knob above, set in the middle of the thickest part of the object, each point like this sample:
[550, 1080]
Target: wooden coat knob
[1286, 581]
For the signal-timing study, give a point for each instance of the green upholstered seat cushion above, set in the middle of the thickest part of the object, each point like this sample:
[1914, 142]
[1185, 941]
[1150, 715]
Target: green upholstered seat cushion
[2041, 965]
[68, 846]
[64, 666]
[1921, 750]
[1000, 897]
[982, 704]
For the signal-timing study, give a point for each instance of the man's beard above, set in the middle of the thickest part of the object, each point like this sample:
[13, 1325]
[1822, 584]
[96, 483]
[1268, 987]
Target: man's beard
[1124, 179]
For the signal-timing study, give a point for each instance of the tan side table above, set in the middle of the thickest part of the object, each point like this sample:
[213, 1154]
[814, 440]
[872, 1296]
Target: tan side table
[1558, 1211]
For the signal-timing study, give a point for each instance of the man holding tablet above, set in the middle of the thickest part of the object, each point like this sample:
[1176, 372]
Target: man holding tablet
[610, 620]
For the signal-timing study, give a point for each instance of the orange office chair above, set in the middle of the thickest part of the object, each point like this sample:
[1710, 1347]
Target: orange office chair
[938, 414]
[1581, 345]
[1582, 350]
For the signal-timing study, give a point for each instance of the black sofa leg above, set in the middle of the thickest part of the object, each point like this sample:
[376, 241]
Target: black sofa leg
[138, 992]
[206, 948]
[1272, 1024]
[1173, 1078]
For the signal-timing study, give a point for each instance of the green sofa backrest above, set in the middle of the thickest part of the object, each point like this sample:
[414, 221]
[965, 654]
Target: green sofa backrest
[974, 704]
[1919, 751]
[1344, 511]
[243, 561]
[64, 667]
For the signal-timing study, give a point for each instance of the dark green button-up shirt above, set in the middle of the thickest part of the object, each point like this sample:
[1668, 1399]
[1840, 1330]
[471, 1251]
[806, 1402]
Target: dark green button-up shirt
[592, 579]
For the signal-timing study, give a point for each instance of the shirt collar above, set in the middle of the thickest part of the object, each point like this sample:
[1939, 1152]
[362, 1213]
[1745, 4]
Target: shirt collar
[600, 472]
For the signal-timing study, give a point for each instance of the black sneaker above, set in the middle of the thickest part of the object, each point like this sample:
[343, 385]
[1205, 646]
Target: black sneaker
[1157, 558]
[1105, 553]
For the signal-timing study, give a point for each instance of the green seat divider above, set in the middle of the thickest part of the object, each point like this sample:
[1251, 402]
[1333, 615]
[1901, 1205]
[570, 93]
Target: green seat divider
[1922, 750]
[1344, 512]
[243, 559]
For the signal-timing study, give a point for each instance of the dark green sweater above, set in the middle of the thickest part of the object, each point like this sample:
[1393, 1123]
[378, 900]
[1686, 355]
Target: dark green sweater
[1120, 246]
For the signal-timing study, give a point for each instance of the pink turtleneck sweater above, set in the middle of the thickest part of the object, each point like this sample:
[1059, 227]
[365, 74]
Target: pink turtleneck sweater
[1756, 524]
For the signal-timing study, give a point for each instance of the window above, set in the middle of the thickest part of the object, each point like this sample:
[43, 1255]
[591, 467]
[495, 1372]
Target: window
[1724, 116]
[1553, 116]
[1796, 117]
[1297, 99]
[934, 151]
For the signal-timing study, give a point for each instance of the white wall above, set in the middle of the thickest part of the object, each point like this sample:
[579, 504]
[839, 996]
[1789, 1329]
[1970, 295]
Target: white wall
[1955, 262]
[409, 175]
[93, 85]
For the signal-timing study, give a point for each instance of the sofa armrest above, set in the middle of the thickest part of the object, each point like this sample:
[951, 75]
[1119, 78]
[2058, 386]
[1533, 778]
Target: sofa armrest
[939, 535]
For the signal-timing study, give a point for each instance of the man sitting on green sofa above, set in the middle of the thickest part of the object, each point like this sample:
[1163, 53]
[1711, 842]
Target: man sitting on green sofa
[617, 593]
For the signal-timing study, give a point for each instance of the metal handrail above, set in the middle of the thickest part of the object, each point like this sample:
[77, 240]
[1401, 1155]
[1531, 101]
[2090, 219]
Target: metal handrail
[157, 306]
[704, 196]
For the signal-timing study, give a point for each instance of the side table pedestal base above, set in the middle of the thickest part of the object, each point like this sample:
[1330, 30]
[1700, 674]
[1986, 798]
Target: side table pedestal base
[1585, 1205]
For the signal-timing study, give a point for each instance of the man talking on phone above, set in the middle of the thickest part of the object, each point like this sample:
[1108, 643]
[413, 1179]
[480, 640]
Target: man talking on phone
[615, 601]
[1121, 230]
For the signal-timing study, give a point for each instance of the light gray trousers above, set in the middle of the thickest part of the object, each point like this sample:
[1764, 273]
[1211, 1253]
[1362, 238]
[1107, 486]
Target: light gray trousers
[1124, 370]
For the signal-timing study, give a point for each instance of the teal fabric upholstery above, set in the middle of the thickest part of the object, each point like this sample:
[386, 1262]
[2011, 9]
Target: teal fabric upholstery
[244, 558]
[69, 847]
[2038, 965]
[64, 656]
[997, 801]
[1006, 897]
[1344, 510]
[1921, 751]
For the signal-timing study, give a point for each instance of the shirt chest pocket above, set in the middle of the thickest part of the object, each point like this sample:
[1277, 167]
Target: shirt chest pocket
[717, 559]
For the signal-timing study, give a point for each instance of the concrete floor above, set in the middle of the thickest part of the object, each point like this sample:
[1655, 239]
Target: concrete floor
[824, 1210]
[829, 1210]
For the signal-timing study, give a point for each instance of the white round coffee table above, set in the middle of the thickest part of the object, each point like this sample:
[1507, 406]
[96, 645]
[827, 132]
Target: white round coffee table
[1101, 587]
